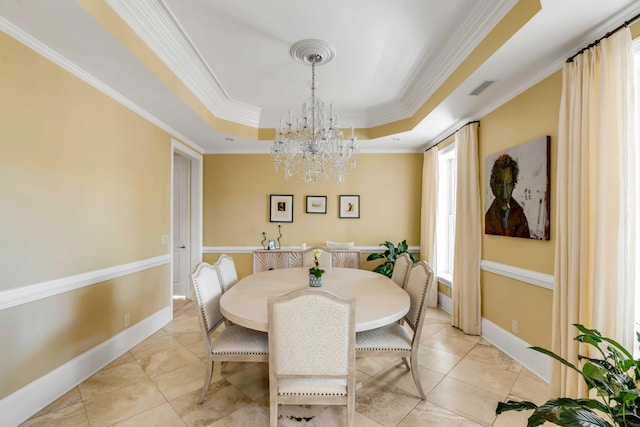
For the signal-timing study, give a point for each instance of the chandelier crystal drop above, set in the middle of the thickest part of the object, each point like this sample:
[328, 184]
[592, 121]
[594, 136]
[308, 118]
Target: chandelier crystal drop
[312, 148]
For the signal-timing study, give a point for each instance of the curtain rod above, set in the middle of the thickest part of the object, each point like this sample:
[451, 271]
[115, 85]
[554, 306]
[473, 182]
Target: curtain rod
[452, 133]
[610, 33]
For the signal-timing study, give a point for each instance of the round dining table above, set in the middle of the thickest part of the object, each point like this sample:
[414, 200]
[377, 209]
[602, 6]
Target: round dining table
[379, 301]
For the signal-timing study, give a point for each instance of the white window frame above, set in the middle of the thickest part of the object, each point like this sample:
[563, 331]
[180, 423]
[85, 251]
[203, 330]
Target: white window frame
[445, 223]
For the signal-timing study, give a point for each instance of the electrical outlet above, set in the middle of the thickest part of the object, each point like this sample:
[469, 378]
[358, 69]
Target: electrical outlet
[514, 326]
[127, 320]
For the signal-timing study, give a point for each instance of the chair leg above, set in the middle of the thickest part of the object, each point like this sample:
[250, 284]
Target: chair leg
[351, 410]
[207, 381]
[406, 363]
[416, 377]
[273, 411]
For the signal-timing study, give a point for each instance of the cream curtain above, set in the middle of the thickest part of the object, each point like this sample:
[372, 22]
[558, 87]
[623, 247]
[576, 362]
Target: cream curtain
[594, 204]
[466, 258]
[429, 216]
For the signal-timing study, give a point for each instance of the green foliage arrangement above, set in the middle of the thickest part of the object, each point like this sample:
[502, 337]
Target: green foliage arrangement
[389, 255]
[615, 378]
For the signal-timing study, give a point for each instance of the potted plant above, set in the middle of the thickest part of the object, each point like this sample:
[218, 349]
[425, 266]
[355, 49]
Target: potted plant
[389, 255]
[614, 377]
[315, 272]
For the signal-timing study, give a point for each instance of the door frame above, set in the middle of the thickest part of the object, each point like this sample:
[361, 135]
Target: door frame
[195, 232]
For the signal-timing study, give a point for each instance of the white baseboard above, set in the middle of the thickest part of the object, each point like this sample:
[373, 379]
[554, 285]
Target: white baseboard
[24, 403]
[445, 303]
[509, 344]
[517, 349]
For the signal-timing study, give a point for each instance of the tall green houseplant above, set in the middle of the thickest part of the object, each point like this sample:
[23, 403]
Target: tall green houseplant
[389, 255]
[614, 377]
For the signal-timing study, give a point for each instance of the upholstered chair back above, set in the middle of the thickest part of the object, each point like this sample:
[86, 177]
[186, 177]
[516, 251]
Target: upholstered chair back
[401, 269]
[311, 332]
[226, 272]
[206, 285]
[324, 259]
[419, 282]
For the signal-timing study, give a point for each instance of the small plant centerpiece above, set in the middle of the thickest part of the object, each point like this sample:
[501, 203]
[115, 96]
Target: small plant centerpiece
[389, 255]
[614, 377]
[315, 272]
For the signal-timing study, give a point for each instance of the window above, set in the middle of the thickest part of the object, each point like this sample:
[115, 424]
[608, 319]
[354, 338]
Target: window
[445, 223]
[635, 250]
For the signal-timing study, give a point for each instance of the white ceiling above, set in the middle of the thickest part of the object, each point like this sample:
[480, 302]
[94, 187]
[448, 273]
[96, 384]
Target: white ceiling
[391, 56]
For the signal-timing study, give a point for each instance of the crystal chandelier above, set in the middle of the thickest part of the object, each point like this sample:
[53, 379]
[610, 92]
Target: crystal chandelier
[312, 148]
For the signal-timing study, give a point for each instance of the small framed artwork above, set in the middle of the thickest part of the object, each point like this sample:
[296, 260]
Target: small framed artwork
[349, 207]
[317, 204]
[281, 208]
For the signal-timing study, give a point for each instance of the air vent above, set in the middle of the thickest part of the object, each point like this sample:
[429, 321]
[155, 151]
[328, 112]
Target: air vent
[482, 87]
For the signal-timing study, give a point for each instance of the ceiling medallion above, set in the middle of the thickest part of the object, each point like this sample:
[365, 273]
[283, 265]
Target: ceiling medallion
[312, 148]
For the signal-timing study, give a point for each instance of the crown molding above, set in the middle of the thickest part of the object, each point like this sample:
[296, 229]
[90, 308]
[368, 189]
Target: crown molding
[155, 24]
[430, 74]
[53, 56]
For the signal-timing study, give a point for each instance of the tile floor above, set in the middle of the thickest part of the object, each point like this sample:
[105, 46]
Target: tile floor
[157, 382]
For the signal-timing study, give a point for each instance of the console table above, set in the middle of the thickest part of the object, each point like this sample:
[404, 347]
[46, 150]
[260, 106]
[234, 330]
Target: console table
[264, 260]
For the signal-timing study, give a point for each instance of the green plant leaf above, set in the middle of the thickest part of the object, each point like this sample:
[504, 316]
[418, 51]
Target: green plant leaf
[555, 356]
[578, 417]
[513, 405]
[372, 257]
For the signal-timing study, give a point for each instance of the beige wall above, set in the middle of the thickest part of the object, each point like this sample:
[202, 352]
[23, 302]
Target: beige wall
[236, 201]
[84, 185]
[532, 114]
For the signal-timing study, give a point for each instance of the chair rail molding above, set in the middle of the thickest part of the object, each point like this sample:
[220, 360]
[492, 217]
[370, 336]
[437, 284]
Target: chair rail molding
[528, 276]
[250, 249]
[25, 294]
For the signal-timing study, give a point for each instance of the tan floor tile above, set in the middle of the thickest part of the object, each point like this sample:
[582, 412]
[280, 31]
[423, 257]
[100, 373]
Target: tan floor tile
[122, 404]
[530, 387]
[467, 400]
[186, 338]
[108, 380]
[383, 403]
[484, 376]
[399, 376]
[160, 416]
[125, 358]
[183, 324]
[251, 415]
[186, 379]
[490, 355]
[222, 399]
[154, 345]
[68, 416]
[451, 342]
[337, 416]
[427, 414]
[437, 360]
[167, 360]
[374, 365]
[252, 379]
[69, 398]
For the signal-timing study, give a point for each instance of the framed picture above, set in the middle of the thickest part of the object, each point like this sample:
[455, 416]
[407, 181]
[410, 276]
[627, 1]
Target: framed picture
[349, 207]
[281, 208]
[317, 204]
[517, 191]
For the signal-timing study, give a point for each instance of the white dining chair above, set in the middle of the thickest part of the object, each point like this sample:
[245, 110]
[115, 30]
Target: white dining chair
[234, 343]
[311, 351]
[226, 270]
[401, 269]
[394, 339]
